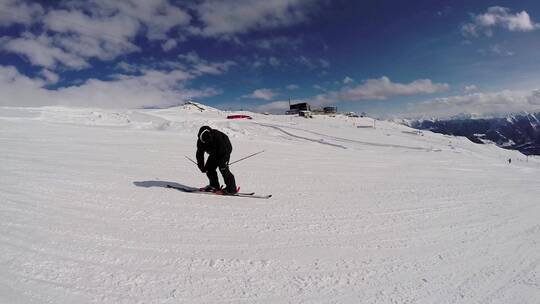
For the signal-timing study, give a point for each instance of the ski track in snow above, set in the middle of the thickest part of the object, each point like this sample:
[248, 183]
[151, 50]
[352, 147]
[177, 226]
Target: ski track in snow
[85, 217]
[280, 128]
[320, 141]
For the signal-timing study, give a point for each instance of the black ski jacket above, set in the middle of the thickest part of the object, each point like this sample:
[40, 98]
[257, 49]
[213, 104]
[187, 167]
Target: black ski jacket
[218, 146]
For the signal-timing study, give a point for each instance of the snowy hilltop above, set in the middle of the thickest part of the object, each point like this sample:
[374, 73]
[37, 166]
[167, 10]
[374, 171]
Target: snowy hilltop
[362, 211]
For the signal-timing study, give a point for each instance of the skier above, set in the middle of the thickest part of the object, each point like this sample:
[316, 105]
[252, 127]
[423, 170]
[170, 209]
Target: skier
[219, 148]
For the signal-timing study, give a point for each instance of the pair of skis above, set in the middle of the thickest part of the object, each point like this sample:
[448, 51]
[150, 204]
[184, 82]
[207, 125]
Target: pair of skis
[239, 194]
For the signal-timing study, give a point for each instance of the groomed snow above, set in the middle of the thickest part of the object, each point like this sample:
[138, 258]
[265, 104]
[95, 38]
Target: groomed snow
[359, 215]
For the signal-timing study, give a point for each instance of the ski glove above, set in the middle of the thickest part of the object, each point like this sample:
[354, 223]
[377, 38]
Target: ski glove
[202, 168]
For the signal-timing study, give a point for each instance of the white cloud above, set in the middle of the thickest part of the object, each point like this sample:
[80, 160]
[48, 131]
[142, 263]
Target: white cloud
[274, 107]
[40, 50]
[258, 62]
[190, 63]
[313, 63]
[19, 90]
[383, 88]
[328, 98]
[348, 80]
[71, 37]
[200, 66]
[50, 77]
[305, 61]
[90, 47]
[17, 12]
[81, 30]
[479, 104]
[500, 50]
[240, 16]
[273, 61]
[169, 45]
[502, 17]
[214, 68]
[68, 34]
[92, 36]
[324, 63]
[496, 49]
[319, 87]
[266, 94]
[152, 87]
[293, 87]
[376, 89]
[191, 57]
[278, 43]
[115, 29]
[157, 16]
[127, 67]
[470, 88]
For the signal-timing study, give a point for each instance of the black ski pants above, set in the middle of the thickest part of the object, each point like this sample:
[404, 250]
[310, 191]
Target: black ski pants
[222, 163]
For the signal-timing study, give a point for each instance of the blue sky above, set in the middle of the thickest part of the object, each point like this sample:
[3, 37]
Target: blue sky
[387, 58]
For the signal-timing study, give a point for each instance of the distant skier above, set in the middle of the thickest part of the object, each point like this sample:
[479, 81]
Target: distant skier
[219, 148]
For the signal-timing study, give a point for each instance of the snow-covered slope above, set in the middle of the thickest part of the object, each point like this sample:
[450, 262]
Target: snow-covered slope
[359, 215]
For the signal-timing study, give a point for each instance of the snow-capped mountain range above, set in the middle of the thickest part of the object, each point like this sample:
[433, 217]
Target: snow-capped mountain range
[518, 132]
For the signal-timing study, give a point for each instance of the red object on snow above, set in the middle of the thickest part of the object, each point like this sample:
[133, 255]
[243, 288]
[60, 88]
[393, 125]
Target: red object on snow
[239, 117]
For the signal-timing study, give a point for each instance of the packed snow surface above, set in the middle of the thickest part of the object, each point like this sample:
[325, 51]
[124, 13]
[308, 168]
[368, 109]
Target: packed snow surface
[358, 214]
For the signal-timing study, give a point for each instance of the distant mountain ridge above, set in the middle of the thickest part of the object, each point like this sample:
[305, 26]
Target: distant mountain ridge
[517, 132]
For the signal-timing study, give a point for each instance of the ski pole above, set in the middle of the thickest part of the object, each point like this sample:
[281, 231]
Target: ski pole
[191, 160]
[241, 159]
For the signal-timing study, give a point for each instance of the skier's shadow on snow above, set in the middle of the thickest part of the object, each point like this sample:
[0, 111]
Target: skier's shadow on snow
[163, 184]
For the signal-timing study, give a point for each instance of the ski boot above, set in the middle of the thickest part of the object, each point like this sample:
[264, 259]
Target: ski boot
[209, 189]
[223, 191]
